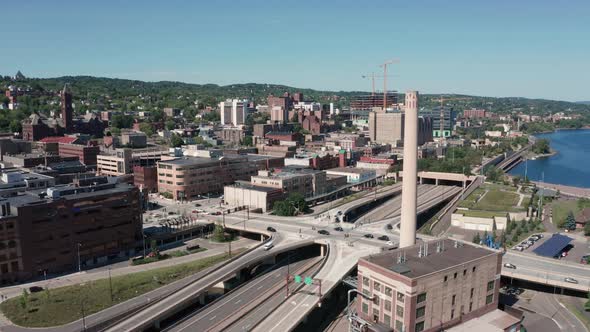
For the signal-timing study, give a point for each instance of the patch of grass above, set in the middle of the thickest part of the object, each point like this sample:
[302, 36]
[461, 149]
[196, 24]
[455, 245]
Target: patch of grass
[64, 305]
[561, 210]
[492, 197]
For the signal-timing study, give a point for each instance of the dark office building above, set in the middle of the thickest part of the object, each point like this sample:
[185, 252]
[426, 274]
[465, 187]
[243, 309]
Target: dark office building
[44, 232]
[450, 116]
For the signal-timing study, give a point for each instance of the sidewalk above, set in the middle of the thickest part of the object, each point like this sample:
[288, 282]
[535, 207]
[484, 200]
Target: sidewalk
[103, 272]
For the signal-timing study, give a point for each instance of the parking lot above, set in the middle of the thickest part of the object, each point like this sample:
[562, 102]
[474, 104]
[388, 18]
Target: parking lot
[574, 252]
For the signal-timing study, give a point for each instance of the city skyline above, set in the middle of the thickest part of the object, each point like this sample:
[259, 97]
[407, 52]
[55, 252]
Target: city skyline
[502, 49]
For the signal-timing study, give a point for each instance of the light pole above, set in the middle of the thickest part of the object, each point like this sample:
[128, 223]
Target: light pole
[143, 238]
[348, 305]
[111, 284]
[79, 262]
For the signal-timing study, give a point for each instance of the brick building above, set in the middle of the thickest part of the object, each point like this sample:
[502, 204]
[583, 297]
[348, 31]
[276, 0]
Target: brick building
[146, 178]
[87, 154]
[428, 287]
[43, 233]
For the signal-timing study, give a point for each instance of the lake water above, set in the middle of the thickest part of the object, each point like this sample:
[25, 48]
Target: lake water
[570, 166]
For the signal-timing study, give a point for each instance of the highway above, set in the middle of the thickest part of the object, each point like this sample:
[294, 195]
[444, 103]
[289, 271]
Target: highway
[547, 271]
[185, 296]
[227, 309]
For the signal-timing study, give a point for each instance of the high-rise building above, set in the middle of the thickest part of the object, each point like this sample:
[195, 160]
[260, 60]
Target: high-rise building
[388, 128]
[450, 116]
[279, 114]
[367, 102]
[475, 114]
[285, 101]
[428, 287]
[233, 111]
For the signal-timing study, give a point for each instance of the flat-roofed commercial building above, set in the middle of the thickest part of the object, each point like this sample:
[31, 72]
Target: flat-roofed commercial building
[123, 160]
[42, 232]
[188, 177]
[428, 287]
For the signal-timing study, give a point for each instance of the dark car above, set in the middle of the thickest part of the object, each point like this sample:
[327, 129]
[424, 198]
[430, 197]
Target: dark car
[383, 238]
[339, 229]
[323, 232]
[368, 236]
[271, 229]
[389, 226]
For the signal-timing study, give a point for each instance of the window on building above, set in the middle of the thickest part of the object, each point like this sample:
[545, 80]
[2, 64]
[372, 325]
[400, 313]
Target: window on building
[387, 305]
[376, 300]
[455, 275]
[375, 314]
[400, 297]
[452, 313]
[377, 286]
[386, 320]
[388, 291]
[420, 312]
[470, 306]
[365, 281]
[445, 279]
[490, 285]
[399, 311]
[473, 269]
[465, 272]
[365, 308]
[489, 298]
[419, 327]
[366, 292]
[421, 298]
[453, 299]
[471, 295]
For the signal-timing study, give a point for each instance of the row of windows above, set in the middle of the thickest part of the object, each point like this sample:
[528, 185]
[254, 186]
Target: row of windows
[455, 274]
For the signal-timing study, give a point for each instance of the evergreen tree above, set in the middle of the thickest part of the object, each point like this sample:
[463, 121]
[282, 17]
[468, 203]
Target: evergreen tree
[476, 238]
[570, 221]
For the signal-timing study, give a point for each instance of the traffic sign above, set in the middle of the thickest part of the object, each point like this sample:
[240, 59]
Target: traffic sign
[308, 281]
[297, 279]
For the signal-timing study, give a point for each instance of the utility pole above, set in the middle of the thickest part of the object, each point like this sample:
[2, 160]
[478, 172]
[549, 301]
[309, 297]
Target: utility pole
[79, 261]
[111, 284]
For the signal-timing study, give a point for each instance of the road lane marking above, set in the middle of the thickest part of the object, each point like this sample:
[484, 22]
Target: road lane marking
[212, 318]
[238, 301]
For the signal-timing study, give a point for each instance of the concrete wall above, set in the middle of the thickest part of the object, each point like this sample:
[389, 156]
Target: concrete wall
[477, 223]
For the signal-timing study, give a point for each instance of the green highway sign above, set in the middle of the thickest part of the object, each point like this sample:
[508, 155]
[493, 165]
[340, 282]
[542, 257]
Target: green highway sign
[308, 281]
[298, 279]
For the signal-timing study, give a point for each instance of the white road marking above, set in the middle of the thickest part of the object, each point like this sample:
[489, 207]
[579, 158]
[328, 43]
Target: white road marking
[212, 318]
[238, 301]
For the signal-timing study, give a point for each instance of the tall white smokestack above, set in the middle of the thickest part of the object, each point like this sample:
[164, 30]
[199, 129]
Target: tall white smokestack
[410, 176]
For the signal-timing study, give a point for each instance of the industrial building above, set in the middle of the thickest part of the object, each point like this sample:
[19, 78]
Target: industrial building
[428, 287]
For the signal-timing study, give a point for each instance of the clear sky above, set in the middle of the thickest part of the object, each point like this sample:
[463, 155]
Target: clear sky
[529, 48]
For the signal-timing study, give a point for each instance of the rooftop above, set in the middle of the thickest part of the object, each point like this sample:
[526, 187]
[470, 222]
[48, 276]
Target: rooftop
[349, 170]
[494, 321]
[416, 266]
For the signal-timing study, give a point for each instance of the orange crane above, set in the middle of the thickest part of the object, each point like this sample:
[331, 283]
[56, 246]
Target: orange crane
[442, 100]
[384, 65]
[372, 77]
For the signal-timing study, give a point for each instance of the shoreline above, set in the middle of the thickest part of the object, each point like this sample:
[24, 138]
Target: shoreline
[564, 189]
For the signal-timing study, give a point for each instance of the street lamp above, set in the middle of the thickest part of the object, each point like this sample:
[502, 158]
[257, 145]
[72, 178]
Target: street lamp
[143, 238]
[79, 262]
[348, 305]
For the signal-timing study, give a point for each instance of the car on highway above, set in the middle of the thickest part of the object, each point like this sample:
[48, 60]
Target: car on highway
[383, 238]
[338, 213]
[571, 280]
[268, 246]
[509, 266]
[323, 232]
[369, 236]
[271, 229]
[339, 229]
[389, 226]
[391, 244]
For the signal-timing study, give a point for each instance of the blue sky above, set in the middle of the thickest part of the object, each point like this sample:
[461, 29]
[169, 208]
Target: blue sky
[496, 48]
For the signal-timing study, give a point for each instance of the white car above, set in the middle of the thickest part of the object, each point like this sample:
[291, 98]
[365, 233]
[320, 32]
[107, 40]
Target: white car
[509, 266]
[571, 280]
[391, 244]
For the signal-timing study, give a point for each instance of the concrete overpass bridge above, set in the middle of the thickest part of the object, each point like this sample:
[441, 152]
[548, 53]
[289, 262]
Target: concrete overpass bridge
[153, 315]
[511, 161]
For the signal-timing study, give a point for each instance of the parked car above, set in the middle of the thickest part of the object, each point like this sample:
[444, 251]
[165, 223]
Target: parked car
[383, 238]
[339, 229]
[271, 229]
[389, 226]
[519, 248]
[368, 236]
[391, 244]
[571, 280]
[532, 239]
[509, 266]
[323, 232]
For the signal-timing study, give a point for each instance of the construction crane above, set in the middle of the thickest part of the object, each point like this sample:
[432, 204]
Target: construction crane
[442, 100]
[384, 65]
[372, 77]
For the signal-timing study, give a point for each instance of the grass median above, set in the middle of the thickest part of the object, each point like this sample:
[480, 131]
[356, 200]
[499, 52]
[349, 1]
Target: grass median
[63, 305]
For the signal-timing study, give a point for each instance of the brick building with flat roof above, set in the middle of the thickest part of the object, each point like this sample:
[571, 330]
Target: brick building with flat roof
[428, 287]
[42, 232]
